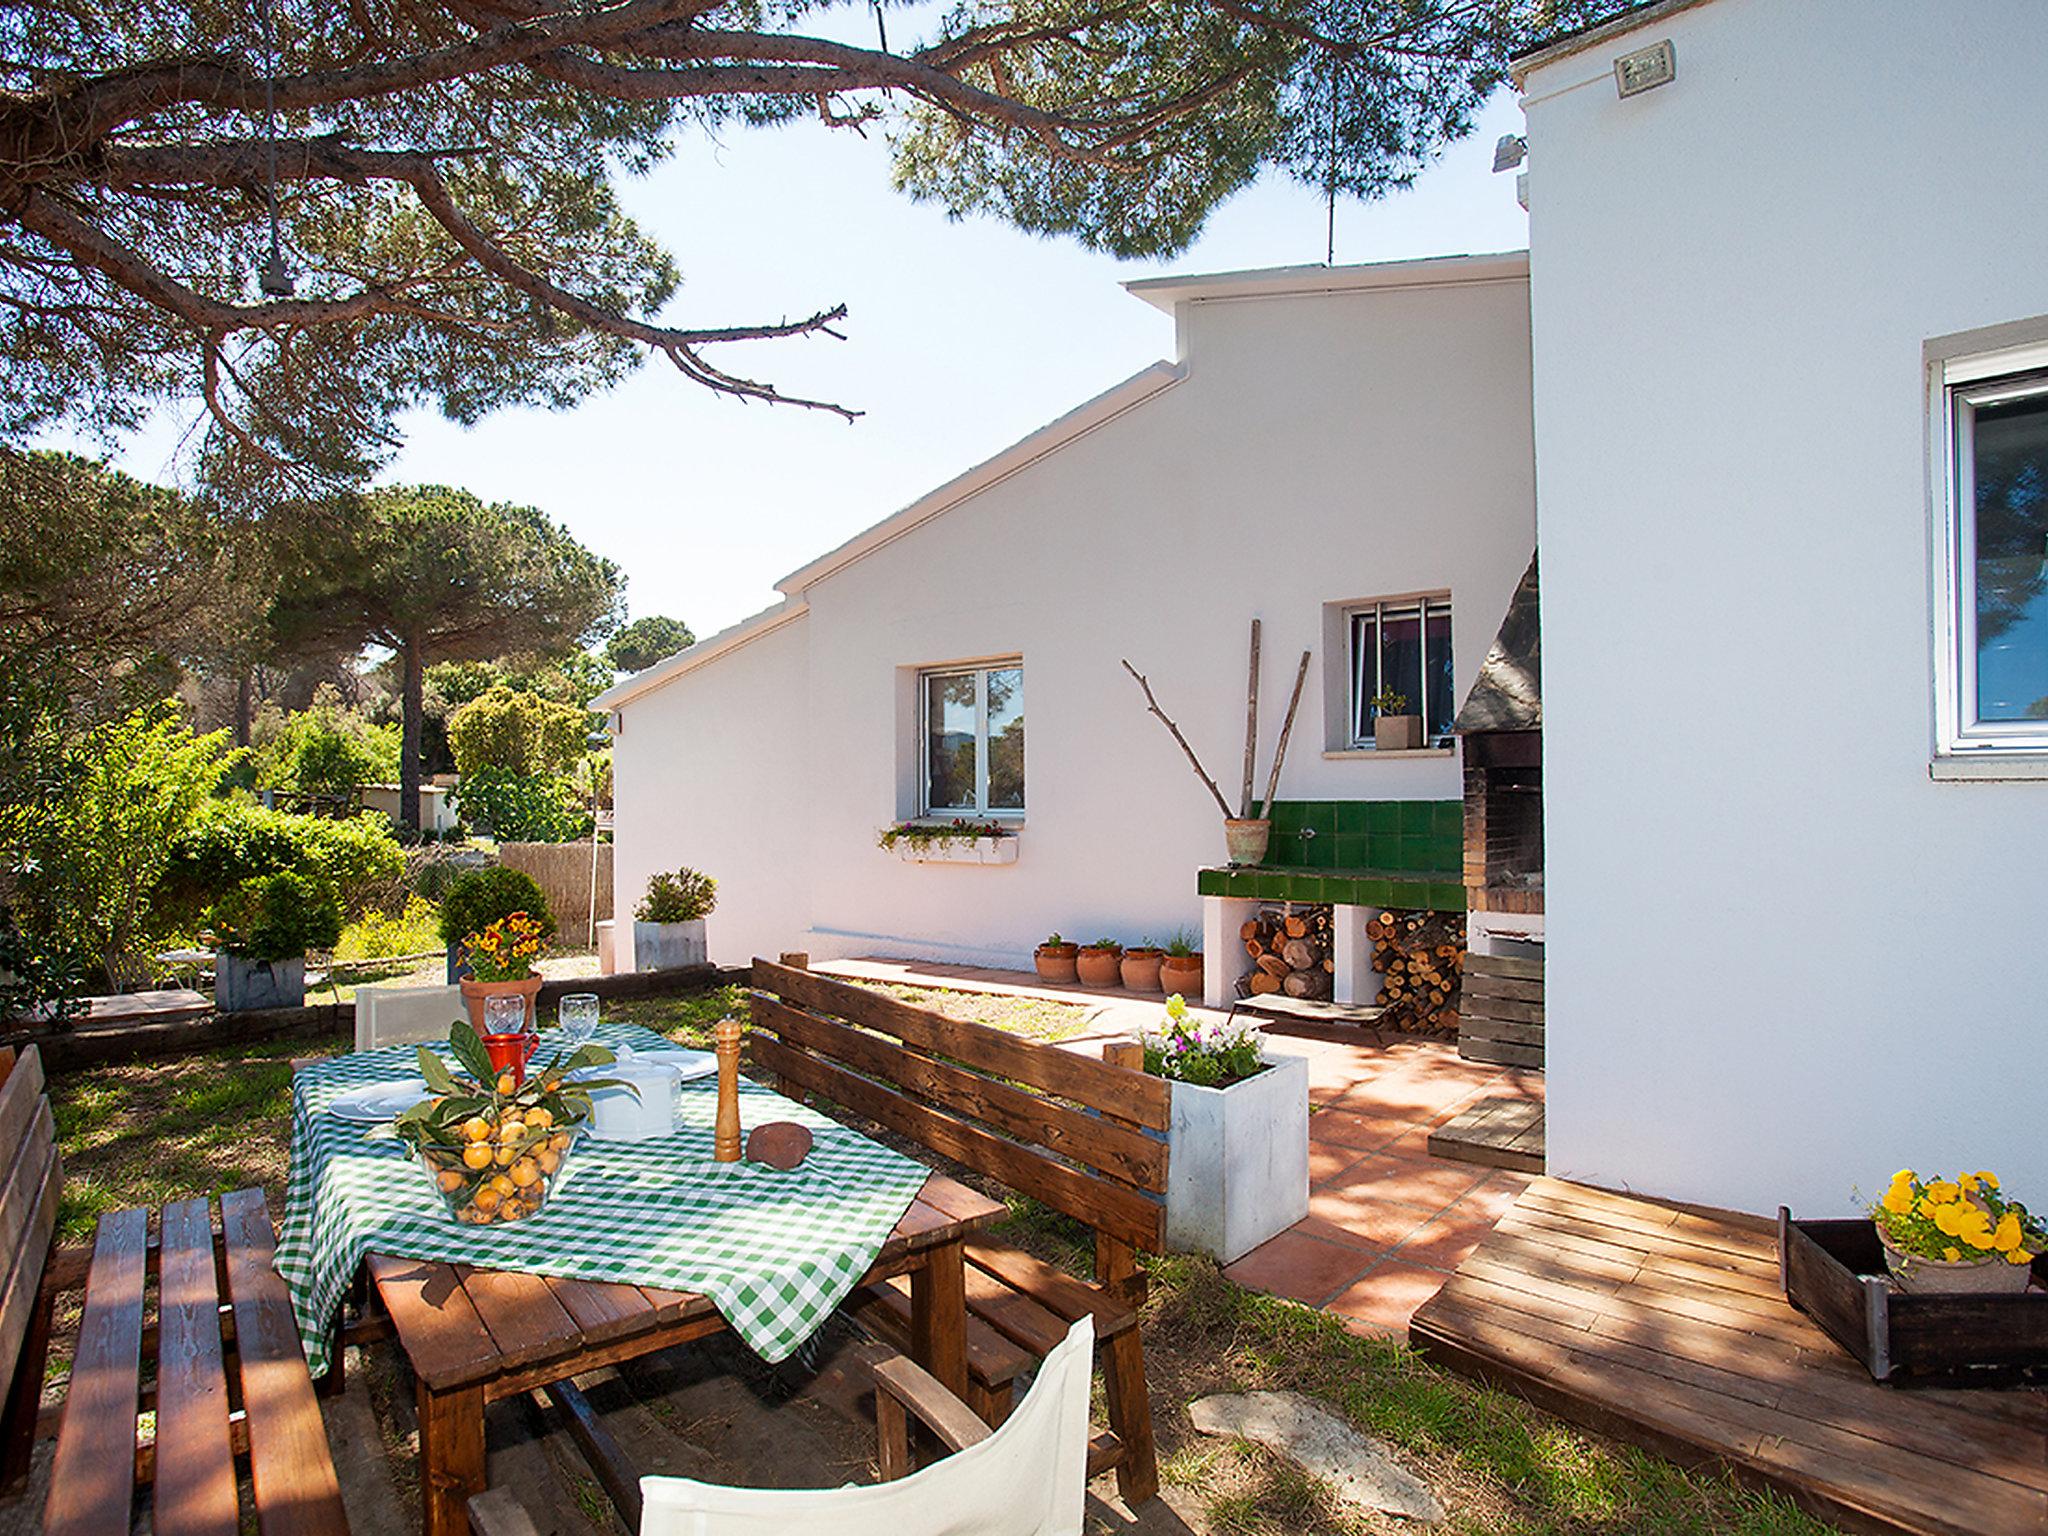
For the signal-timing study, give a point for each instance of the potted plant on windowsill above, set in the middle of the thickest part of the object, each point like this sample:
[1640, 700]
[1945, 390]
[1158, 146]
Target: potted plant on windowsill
[262, 930]
[1141, 964]
[1057, 961]
[1237, 1136]
[1957, 1235]
[1101, 963]
[1246, 834]
[1181, 969]
[1393, 728]
[502, 957]
[668, 924]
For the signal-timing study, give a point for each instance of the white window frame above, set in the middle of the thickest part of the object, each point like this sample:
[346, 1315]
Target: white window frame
[1962, 385]
[1422, 602]
[979, 671]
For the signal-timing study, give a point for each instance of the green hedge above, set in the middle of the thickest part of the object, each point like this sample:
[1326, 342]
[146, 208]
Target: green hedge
[236, 841]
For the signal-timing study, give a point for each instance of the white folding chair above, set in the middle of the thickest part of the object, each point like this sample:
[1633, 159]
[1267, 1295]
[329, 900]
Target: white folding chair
[1028, 1478]
[405, 1015]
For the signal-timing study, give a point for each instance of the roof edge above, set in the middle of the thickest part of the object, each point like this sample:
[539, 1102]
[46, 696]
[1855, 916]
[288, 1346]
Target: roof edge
[1054, 435]
[1566, 44]
[691, 657]
[1292, 282]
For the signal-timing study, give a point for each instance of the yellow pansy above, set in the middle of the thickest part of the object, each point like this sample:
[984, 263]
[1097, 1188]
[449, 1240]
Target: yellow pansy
[1941, 1192]
[1969, 1183]
[1904, 1176]
[1985, 1175]
[1898, 1200]
[1950, 1219]
[1977, 1233]
[2007, 1237]
[2019, 1256]
[1926, 1208]
[1952, 1254]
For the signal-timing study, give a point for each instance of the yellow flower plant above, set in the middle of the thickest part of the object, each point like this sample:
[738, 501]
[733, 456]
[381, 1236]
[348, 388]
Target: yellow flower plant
[1960, 1220]
[507, 949]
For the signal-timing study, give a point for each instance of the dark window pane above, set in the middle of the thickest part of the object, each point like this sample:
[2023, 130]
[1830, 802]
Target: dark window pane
[1006, 739]
[949, 741]
[1365, 645]
[1438, 686]
[2011, 469]
[1401, 656]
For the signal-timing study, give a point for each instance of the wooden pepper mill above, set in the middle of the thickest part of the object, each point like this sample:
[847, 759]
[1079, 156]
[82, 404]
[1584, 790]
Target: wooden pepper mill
[725, 1040]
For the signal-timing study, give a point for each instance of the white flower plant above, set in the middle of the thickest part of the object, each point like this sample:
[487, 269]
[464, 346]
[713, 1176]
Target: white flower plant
[1207, 1053]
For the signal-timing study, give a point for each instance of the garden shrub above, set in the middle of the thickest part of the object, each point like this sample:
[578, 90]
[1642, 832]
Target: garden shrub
[325, 749]
[681, 897]
[414, 930]
[520, 733]
[235, 840]
[521, 807]
[479, 897]
[276, 917]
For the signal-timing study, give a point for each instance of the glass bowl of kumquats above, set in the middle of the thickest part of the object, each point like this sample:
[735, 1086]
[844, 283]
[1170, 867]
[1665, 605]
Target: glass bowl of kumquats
[494, 1149]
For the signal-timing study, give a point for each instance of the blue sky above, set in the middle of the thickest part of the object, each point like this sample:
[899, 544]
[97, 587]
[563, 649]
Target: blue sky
[962, 337]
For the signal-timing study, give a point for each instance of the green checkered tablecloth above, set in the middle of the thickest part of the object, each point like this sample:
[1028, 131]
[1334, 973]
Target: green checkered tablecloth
[775, 1251]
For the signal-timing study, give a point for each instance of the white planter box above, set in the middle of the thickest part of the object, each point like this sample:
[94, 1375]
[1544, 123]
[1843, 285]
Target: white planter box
[241, 984]
[1237, 1170]
[667, 946]
[959, 850]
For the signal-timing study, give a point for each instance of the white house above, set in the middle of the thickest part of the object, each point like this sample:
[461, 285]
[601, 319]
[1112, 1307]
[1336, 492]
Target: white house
[1790, 317]
[1343, 453]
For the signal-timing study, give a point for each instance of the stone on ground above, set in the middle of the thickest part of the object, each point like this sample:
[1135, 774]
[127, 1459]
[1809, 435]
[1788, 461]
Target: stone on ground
[1359, 1470]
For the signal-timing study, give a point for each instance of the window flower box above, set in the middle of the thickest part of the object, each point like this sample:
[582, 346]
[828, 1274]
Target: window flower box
[957, 842]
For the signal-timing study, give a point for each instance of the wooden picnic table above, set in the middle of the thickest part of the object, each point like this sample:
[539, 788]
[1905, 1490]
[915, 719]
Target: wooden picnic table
[476, 1335]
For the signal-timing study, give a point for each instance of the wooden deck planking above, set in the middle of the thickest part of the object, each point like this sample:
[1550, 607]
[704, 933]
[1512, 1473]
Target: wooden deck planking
[1666, 1327]
[1494, 1133]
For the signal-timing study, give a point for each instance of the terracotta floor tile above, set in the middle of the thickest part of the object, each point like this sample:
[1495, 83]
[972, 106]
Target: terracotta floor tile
[1429, 1183]
[1489, 1201]
[1386, 1296]
[1299, 1266]
[1368, 1218]
[1346, 1128]
[1443, 1241]
[1327, 1159]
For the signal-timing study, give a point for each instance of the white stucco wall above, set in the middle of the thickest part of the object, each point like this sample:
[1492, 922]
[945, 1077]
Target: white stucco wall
[1320, 448]
[1782, 961]
[716, 777]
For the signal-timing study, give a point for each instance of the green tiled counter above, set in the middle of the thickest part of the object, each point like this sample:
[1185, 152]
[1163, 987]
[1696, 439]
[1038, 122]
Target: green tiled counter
[1364, 853]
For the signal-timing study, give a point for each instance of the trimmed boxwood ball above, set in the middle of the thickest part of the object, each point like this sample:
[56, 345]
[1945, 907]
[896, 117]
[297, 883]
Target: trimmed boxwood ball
[479, 897]
[681, 897]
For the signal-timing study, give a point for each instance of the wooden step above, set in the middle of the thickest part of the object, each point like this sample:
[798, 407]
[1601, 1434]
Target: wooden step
[1495, 1133]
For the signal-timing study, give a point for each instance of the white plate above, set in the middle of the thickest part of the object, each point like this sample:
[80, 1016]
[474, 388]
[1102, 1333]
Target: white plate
[376, 1103]
[688, 1064]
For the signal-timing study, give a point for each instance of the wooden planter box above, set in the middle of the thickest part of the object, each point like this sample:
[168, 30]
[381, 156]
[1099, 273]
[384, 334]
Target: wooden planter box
[1834, 1272]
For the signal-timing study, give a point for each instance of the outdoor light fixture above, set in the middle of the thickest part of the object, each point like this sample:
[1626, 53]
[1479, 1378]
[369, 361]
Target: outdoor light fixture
[1646, 68]
[1510, 152]
[275, 279]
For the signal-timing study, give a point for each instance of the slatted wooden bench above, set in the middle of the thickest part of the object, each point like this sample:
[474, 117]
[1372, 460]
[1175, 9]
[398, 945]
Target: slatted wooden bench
[1500, 1010]
[230, 1390]
[1085, 1137]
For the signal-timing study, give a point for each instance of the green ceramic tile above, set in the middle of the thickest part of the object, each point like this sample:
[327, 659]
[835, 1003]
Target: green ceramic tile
[1212, 882]
[1383, 817]
[1243, 884]
[1448, 818]
[1352, 815]
[1322, 815]
[1414, 817]
[1349, 851]
[1308, 888]
[1336, 888]
[1446, 897]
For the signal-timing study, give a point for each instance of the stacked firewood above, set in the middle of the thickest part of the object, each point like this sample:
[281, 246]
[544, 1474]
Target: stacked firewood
[1290, 951]
[1422, 957]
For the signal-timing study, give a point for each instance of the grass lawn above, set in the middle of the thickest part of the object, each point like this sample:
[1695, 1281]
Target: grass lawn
[153, 1132]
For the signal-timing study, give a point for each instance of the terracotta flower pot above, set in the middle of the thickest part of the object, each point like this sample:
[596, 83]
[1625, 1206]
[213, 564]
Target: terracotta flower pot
[475, 993]
[1988, 1276]
[1100, 967]
[1055, 962]
[1246, 838]
[1141, 969]
[1182, 974]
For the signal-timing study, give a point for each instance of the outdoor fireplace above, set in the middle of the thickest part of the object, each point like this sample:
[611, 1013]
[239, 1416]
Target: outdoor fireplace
[1501, 724]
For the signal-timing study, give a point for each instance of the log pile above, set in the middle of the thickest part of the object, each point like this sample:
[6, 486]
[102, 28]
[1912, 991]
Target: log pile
[1422, 957]
[1290, 952]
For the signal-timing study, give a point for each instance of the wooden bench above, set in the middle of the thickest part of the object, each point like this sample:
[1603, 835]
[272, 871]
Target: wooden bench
[230, 1390]
[1085, 1137]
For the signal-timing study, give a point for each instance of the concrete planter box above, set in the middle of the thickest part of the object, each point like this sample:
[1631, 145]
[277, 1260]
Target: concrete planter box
[668, 946]
[1238, 1160]
[241, 984]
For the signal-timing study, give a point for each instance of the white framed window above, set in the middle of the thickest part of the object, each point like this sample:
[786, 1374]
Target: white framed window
[971, 740]
[1992, 670]
[1402, 646]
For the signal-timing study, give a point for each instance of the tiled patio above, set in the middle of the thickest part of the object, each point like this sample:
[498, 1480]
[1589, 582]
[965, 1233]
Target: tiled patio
[1387, 1221]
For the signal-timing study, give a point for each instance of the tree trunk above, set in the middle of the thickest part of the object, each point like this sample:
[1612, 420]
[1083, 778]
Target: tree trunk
[245, 704]
[414, 715]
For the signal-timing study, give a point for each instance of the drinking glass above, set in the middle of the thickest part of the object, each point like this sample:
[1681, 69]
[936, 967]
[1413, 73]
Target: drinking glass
[579, 1017]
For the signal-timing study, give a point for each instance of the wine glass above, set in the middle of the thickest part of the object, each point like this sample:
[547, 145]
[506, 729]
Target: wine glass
[579, 1017]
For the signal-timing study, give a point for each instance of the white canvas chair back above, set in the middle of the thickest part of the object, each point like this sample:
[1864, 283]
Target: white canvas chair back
[405, 1015]
[1027, 1479]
